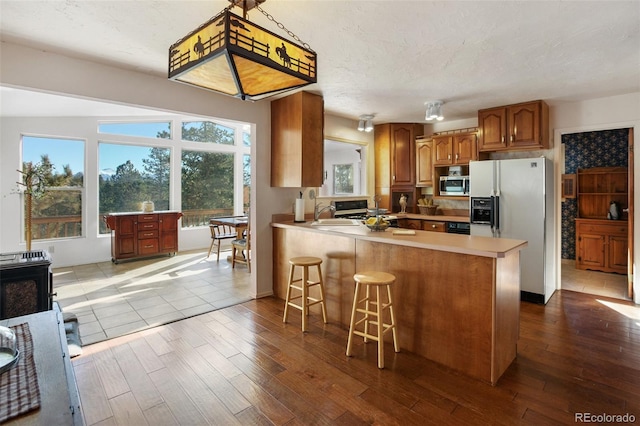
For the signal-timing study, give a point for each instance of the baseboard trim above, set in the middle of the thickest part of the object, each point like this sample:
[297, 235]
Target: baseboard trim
[532, 297]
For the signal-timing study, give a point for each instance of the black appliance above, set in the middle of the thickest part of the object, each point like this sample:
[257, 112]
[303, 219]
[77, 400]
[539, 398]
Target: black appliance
[459, 228]
[26, 283]
[483, 210]
[351, 209]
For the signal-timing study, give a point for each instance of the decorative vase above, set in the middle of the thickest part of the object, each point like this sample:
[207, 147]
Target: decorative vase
[147, 206]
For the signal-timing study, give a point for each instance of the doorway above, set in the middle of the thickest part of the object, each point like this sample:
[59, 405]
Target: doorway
[585, 150]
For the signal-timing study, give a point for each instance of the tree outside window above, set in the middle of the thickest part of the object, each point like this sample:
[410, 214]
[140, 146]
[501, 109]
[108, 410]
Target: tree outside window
[343, 178]
[131, 174]
[58, 212]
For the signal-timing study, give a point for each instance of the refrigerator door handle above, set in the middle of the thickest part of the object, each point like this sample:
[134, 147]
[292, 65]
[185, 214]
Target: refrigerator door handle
[492, 214]
[496, 213]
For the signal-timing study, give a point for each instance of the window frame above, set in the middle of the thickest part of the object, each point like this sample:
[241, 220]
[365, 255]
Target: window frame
[81, 189]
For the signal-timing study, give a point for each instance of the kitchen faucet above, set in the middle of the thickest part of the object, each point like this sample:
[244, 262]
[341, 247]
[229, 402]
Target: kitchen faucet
[317, 212]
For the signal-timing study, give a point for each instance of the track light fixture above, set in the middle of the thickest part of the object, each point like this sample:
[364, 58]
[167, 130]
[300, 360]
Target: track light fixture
[434, 110]
[365, 124]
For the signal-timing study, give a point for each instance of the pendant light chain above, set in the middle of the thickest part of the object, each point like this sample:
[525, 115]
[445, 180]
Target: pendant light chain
[282, 27]
[204, 24]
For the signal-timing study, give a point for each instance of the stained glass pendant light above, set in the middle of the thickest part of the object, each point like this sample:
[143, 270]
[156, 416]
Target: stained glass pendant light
[230, 55]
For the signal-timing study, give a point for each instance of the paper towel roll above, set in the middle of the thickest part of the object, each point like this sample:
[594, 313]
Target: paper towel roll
[299, 212]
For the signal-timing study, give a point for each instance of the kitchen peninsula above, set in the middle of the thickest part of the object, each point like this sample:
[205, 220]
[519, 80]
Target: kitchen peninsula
[457, 297]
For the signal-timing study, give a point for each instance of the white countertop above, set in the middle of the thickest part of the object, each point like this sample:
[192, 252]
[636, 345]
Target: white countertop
[454, 243]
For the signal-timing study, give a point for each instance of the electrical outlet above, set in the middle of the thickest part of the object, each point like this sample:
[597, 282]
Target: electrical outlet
[52, 249]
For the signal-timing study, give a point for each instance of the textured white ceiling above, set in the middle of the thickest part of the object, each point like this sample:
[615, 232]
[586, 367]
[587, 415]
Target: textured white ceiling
[377, 57]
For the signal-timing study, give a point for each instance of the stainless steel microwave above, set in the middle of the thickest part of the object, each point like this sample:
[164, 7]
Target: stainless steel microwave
[454, 186]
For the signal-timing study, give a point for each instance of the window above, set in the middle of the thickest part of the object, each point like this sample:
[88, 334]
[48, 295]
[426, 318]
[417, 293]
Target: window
[215, 164]
[207, 186]
[343, 178]
[58, 213]
[131, 174]
[246, 136]
[246, 182]
[345, 169]
[147, 129]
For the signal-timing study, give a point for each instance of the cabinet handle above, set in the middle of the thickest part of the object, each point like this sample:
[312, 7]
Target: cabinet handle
[511, 138]
[148, 226]
[149, 246]
[433, 226]
[502, 138]
[449, 157]
[148, 234]
[457, 156]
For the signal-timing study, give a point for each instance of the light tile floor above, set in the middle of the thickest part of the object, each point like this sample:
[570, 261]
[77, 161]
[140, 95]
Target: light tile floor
[593, 282]
[112, 300]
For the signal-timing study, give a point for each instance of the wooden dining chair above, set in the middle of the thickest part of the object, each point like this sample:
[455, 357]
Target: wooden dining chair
[244, 247]
[218, 234]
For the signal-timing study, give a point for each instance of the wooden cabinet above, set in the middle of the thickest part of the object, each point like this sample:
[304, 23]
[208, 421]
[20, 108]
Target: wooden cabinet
[424, 162]
[410, 223]
[297, 141]
[601, 245]
[454, 149]
[395, 158]
[434, 226]
[137, 235]
[514, 127]
[597, 187]
[424, 225]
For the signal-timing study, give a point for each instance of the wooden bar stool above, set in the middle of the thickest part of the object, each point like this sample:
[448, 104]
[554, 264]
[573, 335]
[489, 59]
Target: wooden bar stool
[305, 284]
[374, 317]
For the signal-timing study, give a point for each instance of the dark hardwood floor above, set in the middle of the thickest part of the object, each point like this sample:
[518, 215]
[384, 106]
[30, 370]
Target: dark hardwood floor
[241, 365]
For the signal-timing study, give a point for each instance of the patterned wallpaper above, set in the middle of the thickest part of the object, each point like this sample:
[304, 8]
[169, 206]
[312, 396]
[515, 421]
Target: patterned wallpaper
[607, 148]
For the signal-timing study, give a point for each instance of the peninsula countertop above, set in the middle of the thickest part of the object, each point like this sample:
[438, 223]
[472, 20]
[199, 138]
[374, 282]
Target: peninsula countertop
[454, 243]
[457, 296]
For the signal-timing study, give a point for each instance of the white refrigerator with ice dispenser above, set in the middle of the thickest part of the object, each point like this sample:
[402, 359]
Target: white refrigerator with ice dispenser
[519, 194]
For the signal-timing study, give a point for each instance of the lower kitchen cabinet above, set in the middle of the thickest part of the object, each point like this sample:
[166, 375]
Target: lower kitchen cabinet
[434, 226]
[410, 223]
[137, 235]
[424, 225]
[602, 245]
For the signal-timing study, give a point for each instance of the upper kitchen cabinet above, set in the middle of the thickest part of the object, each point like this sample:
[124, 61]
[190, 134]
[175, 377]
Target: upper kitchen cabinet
[297, 141]
[395, 157]
[424, 162]
[395, 152]
[514, 127]
[454, 149]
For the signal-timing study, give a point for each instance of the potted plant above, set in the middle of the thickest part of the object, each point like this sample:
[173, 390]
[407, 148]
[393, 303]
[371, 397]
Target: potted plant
[34, 182]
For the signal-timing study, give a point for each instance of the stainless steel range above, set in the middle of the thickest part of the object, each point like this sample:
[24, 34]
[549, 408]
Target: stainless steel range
[351, 209]
[358, 209]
